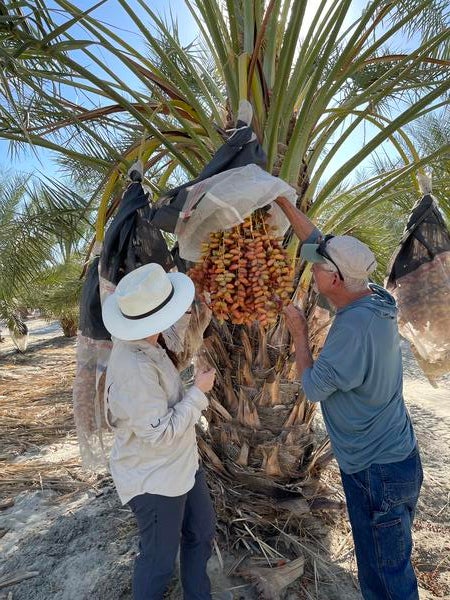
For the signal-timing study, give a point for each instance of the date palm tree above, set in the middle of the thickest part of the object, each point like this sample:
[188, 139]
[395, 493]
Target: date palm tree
[42, 250]
[328, 90]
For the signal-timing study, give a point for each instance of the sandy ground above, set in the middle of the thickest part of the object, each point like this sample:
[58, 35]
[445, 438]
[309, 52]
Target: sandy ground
[68, 538]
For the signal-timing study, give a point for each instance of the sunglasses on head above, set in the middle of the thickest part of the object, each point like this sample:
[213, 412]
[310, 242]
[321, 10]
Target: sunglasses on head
[323, 252]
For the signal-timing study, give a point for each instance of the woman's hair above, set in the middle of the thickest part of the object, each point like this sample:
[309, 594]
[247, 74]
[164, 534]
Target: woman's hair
[173, 357]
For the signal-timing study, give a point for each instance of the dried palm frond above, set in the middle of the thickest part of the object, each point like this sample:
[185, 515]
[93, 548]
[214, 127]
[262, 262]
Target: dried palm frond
[270, 582]
[260, 451]
[60, 477]
[35, 411]
[36, 406]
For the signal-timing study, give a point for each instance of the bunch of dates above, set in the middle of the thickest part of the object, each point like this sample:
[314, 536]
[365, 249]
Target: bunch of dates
[245, 274]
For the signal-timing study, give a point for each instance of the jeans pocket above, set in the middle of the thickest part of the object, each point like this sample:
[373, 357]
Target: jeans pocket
[390, 542]
[402, 493]
[402, 480]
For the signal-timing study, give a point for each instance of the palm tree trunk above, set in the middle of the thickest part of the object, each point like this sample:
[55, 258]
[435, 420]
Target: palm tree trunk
[69, 325]
[259, 448]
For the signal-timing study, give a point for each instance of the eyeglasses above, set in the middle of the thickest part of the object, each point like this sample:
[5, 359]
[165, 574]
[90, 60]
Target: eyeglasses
[323, 252]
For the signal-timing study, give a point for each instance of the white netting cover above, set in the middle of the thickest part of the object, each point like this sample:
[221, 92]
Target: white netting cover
[94, 437]
[423, 298]
[225, 200]
[419, 280]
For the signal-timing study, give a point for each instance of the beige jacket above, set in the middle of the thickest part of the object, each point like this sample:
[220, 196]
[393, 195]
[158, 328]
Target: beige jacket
[153, 419]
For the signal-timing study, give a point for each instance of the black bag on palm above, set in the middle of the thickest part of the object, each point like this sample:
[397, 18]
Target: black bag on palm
[419, 280]
[130, 242]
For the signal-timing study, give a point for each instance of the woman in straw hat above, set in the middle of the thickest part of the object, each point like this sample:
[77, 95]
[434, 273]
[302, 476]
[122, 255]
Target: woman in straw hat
[154, 459]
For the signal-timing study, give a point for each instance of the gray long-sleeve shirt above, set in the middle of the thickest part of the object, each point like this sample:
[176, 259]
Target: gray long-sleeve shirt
[358, 380]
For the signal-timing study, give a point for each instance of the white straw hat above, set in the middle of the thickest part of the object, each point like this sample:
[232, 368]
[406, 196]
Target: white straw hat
[147, 301]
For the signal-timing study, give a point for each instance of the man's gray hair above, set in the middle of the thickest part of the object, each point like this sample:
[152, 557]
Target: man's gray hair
[355, 285]
[350, 283]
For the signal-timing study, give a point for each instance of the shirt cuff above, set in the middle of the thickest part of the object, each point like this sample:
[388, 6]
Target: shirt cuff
[313, 236]
[197, 398]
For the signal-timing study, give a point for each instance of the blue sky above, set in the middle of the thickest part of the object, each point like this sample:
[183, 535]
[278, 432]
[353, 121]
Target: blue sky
[112, 14]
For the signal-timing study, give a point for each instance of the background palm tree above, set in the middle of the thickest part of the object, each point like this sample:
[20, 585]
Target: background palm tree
[317, 80]
[42, 250]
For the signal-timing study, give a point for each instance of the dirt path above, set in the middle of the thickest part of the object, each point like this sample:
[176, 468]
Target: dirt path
[430, 412]
[68, 533]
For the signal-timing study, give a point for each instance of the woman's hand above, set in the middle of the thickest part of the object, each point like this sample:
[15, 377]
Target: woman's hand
[204, 380]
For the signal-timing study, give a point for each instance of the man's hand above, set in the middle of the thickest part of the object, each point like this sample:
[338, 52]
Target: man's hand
[296, 323]
[204, 380]
[298, 328]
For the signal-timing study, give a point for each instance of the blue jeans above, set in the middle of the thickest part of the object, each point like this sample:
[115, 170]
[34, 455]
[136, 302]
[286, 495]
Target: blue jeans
[166, 524]
[381, 502]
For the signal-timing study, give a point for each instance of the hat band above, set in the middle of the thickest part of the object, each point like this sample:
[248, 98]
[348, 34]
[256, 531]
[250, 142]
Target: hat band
[150, 312]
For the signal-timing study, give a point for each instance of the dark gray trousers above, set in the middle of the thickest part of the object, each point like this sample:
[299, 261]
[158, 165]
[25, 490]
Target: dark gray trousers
[166, 524]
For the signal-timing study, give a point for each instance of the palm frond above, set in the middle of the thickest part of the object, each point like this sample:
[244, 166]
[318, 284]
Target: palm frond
[434, 18]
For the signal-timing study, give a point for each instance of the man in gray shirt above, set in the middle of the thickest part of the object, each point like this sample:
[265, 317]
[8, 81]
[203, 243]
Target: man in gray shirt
[358, 380]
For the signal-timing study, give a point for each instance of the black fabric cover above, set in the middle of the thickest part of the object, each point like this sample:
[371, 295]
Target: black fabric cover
[131, 239]
[130, 242]
[237, 151]
[426, 235]
[91, 322]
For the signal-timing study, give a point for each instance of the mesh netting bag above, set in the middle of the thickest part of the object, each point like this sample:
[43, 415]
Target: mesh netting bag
[226, 200]
[94, 438]
[419, 280]
[240, 149]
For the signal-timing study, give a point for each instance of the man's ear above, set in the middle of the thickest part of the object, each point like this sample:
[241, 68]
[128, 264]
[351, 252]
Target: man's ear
[336, 279]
